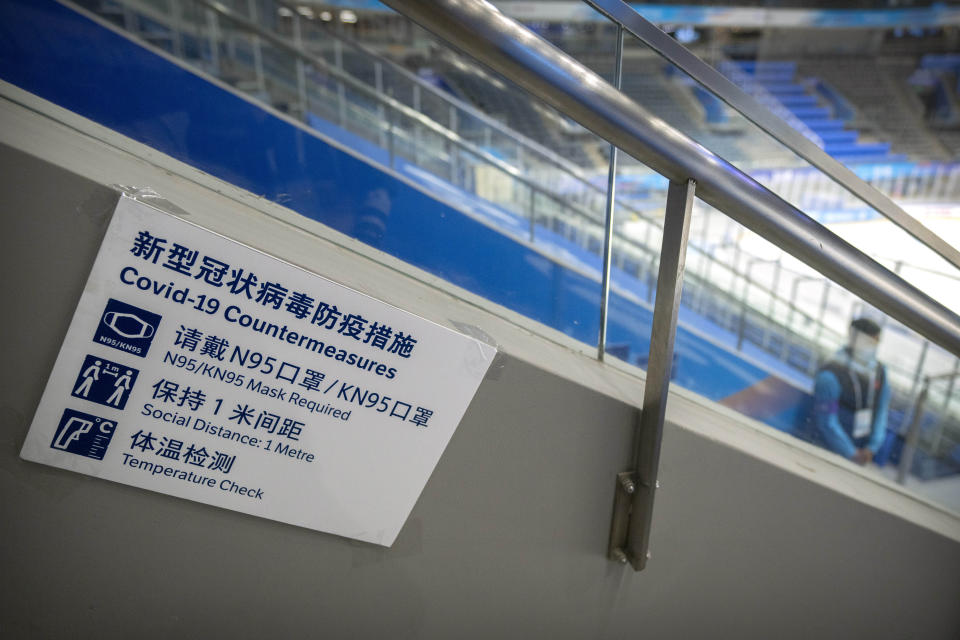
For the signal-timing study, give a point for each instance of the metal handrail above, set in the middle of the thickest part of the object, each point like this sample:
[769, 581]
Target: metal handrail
[563, 83]
[622, 14]
[549, 74]
[501, 43]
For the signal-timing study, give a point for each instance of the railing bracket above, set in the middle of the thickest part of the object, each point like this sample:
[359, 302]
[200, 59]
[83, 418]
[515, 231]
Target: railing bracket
[622, 501]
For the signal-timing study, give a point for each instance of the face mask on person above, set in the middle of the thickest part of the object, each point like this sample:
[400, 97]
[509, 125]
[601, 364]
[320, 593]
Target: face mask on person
[863, 348]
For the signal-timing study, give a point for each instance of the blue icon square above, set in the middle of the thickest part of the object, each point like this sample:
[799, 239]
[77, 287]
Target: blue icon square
[83, 434]
[127, 328]
[104, 382]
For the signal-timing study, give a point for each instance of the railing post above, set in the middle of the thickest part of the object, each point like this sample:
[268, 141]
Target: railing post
[742, 324]
[937, 183]
[341, 88]
[390, 131]
[381, 109]
[416, 127]
[378, 85]
[824, 302]
[651, 279]
[775, 286]
[913, 434]
[176, 27]
[301, 69]
[952, 182]
[747, 276]
[634, 537]
[945, 408]
[921, 363]
[128, 20]
[952, 383]
[533, 214]
[257, 50]
[229, 44]
[453, 148]
[610, 209]
[707, 214]
[744, 300]
[214, 40]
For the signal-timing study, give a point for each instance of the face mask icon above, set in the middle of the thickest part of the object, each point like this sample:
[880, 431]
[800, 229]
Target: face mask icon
[128, 325]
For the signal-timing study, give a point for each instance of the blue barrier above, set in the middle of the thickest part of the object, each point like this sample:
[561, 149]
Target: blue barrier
[844, 136]
[814, 113]
[792, 100]
[858, 149]
[824, 124]
[785, 89]
[769, 67]
[827, 122]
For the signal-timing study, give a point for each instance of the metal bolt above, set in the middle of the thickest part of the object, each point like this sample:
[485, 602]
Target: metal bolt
[628, 485]
[658, 484]
[620, 556]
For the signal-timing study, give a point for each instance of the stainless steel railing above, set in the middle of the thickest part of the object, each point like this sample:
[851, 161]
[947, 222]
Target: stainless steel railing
[481, 31]
[217, 25]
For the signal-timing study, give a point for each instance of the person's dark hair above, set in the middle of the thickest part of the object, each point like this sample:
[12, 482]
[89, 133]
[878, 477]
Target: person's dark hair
[867, 326]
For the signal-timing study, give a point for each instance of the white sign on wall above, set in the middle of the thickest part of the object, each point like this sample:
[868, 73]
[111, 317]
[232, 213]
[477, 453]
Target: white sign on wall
[201, 368]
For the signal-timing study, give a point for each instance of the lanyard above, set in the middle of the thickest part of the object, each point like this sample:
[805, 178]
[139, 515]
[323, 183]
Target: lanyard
[858, 392]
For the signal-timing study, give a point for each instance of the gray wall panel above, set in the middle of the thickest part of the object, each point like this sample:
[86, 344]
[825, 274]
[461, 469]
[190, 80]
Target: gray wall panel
[507, 540]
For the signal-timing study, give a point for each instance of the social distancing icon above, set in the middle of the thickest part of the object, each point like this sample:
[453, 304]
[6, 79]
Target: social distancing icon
[105, 382]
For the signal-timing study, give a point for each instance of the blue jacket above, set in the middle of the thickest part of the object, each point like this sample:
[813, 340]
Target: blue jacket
[833, 413]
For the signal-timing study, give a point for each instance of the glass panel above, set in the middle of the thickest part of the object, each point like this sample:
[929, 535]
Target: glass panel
[757, 331]
[440, 162]
[635, 260]
[929, 458]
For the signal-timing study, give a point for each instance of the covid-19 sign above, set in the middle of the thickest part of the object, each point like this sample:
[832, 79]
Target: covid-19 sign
[202, 368]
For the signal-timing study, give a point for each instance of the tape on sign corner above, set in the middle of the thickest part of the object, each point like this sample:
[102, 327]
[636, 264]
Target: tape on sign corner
[148, 196]
[475, 332]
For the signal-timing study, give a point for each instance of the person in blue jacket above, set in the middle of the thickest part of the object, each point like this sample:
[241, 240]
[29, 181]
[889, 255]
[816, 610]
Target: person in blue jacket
[851, 397]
